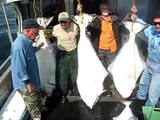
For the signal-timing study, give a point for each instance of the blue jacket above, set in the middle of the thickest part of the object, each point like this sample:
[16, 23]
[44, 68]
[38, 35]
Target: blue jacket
[153, 62]
[24, 63]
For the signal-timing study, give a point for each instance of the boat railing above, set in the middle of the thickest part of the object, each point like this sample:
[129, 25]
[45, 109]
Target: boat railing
[5, 65]
[5, 81]
[8, 97]
[7, 24]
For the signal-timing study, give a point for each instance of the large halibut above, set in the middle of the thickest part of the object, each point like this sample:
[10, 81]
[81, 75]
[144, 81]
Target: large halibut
[128, 64]
[46, 60]
[91, 72]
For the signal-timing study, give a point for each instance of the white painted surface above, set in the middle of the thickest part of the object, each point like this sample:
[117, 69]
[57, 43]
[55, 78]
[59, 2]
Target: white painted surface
[14, 108]
[9, 1]
[46, 60]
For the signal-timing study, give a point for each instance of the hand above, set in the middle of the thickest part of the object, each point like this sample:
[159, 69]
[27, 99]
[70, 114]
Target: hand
[40, 44]
[133, 17]
[48, 33]
[79, 7]
[134, 13]
[31, 87]
[134, 10]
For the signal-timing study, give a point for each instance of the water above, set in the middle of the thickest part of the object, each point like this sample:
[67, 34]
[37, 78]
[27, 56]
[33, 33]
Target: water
[4, 40]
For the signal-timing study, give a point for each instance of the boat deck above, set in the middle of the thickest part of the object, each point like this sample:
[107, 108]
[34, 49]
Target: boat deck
[75, 109]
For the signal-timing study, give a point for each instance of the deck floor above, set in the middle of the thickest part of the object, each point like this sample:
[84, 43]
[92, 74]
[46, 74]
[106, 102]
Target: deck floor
[105, 109]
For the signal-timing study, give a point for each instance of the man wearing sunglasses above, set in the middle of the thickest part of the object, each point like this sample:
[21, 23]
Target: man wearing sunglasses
[148, 93]
[150, 78]
[66, 34]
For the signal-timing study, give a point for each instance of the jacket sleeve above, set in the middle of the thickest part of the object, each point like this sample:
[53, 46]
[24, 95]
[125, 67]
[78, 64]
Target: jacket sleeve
[19, 63]
[95, 24]
[94, 28]
[118, 29]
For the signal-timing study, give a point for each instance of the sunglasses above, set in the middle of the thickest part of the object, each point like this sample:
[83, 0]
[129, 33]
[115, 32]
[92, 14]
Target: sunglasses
[62, 21]
[156, 23]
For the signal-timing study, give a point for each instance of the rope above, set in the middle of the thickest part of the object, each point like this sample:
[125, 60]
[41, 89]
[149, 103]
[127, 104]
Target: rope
[134, 2]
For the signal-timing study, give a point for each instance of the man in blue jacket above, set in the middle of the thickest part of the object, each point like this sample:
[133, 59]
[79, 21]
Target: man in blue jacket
[150, 83]
[148, 93]
[25, 75]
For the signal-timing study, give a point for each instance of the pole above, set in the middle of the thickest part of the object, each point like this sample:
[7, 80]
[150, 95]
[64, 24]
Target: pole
[7, 23]
[134, 2]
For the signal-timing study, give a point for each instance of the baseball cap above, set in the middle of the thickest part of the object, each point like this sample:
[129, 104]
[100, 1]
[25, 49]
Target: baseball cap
[63, 16]
[31, 23]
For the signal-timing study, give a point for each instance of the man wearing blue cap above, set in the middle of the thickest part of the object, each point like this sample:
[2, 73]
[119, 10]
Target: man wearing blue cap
[25, 75]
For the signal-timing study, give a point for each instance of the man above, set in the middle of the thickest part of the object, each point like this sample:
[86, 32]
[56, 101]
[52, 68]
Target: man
[148, 93]
[66, 33]
[25, 73]
[149, 82]
[105, 35]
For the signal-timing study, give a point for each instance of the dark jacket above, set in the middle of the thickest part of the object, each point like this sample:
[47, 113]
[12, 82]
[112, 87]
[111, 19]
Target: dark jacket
[94, 28]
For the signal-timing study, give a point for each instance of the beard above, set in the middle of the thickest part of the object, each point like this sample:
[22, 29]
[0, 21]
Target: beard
[105, 13]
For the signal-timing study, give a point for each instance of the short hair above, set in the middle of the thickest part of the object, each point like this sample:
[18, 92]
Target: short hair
[104, 2]
[156, 14]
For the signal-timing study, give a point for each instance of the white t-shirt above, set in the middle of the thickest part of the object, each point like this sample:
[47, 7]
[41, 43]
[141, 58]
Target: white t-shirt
[67, 39]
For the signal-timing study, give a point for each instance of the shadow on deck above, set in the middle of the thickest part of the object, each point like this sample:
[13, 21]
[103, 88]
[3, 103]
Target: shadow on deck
[105, 109]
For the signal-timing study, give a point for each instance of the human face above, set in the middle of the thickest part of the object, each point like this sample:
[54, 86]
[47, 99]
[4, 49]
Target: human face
[32, 33]
[156, 22]
[65, 25]
[104, 9]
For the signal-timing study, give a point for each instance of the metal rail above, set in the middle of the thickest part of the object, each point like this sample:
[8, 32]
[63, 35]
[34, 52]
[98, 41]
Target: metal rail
[7, 23]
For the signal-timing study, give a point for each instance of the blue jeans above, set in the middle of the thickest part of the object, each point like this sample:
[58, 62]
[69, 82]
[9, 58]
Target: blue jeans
[149, 85]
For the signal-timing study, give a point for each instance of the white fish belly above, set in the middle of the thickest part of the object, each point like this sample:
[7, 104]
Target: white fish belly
[127, 67]
[47, 65]
[91, 72]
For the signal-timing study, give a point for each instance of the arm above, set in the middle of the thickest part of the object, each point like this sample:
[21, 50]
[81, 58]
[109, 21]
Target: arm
[132, 16]
[19, 61]
[94, 28]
